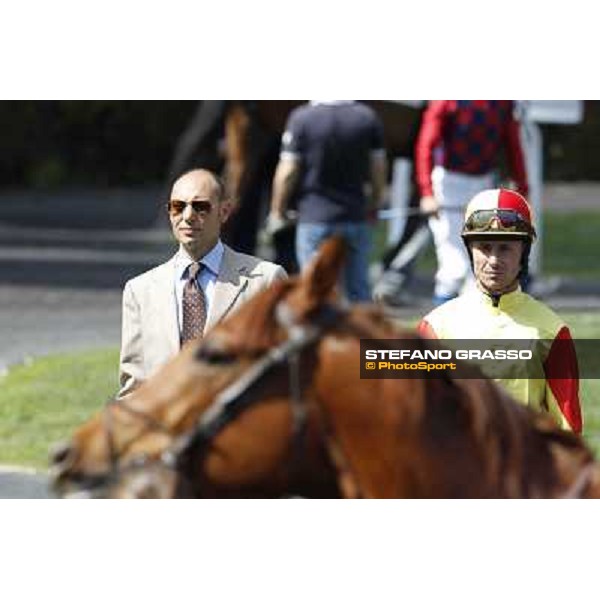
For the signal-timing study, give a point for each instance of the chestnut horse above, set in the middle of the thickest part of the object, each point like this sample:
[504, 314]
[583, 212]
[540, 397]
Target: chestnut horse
[271, 404]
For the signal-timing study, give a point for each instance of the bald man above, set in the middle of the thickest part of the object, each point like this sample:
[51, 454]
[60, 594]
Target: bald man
[156, 311]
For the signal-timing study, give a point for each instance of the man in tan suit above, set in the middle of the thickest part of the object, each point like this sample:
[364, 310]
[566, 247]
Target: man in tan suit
[154, 303]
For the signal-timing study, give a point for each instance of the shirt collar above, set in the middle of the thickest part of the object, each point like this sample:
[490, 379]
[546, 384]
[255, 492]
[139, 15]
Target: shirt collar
[211, 260]
[331, 102]
[502, 299]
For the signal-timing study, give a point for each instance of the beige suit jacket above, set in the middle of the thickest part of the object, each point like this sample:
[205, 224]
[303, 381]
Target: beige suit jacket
[150, 332]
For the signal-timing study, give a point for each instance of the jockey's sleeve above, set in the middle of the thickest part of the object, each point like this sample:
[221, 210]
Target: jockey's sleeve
[424, 329]
[430, 135]
[514, 155]
[562, 379]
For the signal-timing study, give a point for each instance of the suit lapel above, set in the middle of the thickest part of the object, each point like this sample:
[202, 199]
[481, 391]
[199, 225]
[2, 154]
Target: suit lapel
[166, 303]
[232, 280]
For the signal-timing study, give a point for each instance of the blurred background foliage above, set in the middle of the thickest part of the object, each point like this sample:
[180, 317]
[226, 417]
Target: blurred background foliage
[49, 144]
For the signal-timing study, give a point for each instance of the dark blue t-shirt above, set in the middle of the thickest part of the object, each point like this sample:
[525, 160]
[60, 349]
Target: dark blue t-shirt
[334, 144]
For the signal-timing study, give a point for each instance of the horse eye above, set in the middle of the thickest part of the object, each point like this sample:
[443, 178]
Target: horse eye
[213, 355]
[139, 461]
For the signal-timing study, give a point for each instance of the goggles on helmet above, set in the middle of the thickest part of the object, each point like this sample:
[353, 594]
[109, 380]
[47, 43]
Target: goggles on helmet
[498, 221]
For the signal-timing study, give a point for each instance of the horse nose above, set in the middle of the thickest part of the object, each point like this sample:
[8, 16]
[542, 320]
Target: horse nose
[62, 456]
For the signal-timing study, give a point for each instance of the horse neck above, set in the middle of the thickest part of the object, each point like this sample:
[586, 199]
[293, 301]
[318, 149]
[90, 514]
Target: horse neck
[313, 470]
[524, 453]
[575, 472]
[592, 489]
[432, 435]
[351, 422]
[472, 422]
[347, 405]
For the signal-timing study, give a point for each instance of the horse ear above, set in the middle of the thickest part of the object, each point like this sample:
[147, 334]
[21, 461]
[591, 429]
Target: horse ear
[323, 272]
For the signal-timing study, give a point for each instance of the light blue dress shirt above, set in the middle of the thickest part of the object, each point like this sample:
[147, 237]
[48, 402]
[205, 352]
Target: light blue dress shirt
[206, 278]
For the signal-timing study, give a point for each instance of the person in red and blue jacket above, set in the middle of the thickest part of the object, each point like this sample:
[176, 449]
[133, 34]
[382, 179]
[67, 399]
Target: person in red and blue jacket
[457, 154]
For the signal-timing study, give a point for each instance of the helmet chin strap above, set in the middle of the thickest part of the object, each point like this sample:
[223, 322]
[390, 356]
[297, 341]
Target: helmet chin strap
[524, 272]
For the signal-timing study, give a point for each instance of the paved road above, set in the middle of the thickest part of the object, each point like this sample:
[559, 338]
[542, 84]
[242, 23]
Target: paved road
[567, 196]
[64, 259]
[54, 297]
[23, 483]
[61, 289]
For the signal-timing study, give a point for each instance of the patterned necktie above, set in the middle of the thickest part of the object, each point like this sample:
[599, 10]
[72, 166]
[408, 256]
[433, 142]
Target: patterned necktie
[194, 307]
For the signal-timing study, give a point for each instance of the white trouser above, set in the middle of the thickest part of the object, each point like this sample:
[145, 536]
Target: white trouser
[453, 191]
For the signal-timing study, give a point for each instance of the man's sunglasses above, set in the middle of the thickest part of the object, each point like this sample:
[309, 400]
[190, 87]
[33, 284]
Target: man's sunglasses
[508, 220]
[176, 207]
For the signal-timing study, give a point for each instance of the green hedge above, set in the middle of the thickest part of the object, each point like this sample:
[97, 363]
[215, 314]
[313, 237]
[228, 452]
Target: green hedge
[52, 143]
[46, 144]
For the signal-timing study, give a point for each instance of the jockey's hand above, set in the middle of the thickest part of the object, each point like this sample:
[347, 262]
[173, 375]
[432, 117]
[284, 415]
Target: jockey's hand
[275, 223]
[429, 206]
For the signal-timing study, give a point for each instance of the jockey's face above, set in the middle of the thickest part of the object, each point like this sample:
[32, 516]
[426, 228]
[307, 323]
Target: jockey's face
[197, 212]
[497, 264]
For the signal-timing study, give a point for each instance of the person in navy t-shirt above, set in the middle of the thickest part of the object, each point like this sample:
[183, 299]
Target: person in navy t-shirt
[330, 151]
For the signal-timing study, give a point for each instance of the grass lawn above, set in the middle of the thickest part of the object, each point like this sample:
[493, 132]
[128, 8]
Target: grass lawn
[587, 326]
[570, 245]
[42, 402]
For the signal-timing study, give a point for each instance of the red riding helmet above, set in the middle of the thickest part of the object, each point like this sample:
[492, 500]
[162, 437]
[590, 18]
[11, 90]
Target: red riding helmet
[498, 213]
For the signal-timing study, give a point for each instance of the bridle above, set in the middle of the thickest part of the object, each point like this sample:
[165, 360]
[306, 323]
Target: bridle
[234, 399]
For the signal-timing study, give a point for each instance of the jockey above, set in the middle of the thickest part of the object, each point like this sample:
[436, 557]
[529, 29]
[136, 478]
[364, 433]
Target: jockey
[498, 234]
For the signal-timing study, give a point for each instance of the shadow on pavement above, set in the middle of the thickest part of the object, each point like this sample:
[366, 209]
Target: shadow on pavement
[81, 238]
[97, 275]
[82, 208]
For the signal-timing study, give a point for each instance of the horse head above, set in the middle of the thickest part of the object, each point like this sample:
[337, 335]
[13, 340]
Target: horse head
[148, 444]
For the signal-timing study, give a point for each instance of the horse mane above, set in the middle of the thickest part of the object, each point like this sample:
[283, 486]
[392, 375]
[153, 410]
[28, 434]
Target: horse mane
[514, 440]
[511, 440]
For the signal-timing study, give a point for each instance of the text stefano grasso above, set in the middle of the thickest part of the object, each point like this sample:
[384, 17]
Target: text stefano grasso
[465, 354]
